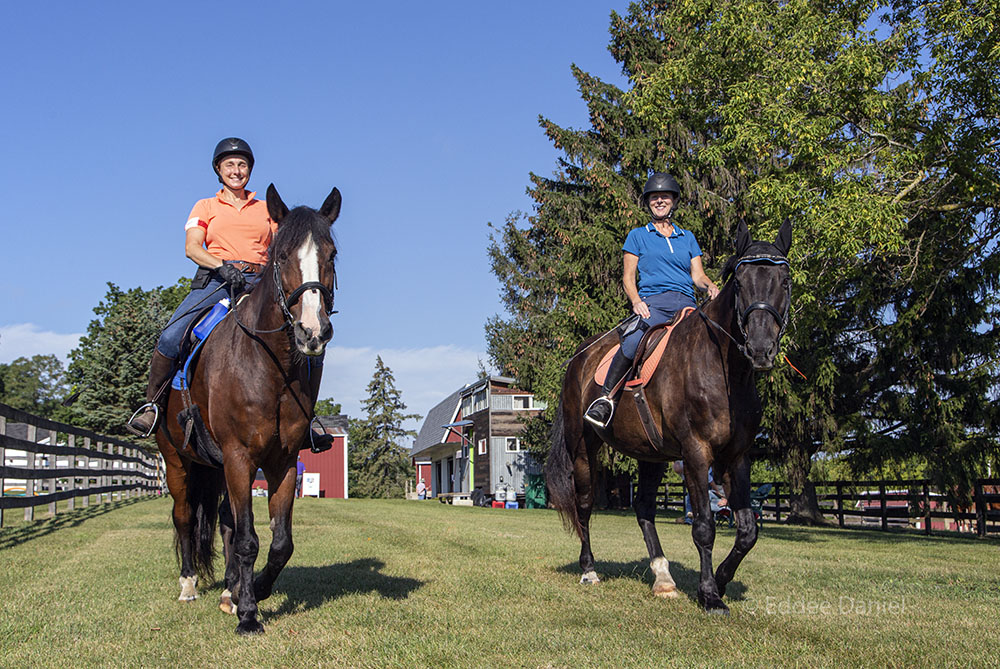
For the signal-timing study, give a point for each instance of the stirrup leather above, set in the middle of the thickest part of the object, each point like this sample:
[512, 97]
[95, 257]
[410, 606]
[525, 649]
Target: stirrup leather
[593, 421]
[153, 425]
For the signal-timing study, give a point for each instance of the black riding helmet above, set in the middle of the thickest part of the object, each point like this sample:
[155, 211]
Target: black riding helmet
[660, 182]
[231, 146]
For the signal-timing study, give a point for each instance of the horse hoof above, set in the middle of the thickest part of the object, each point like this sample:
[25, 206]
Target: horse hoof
[189, 589]
[717, 609]
[666, 591]
[249, 628]
[590, 578]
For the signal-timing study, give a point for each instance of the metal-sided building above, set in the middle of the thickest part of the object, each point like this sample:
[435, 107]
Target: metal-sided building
[471, 440]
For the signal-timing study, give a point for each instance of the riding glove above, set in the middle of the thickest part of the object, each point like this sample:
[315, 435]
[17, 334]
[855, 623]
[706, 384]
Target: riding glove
[233, 277]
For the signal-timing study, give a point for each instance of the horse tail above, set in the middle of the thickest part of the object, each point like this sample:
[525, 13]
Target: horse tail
[559, 475]
[205, 486]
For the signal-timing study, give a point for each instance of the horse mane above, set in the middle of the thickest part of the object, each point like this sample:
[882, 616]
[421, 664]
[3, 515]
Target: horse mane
[293, 230]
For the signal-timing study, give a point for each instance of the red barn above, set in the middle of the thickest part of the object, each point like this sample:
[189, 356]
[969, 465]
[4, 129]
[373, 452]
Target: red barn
[331, 465]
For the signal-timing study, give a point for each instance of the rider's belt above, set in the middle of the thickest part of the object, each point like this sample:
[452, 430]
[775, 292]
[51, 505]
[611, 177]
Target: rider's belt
[244, 266]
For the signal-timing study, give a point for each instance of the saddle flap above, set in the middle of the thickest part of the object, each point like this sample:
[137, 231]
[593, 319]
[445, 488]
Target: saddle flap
[651, 349]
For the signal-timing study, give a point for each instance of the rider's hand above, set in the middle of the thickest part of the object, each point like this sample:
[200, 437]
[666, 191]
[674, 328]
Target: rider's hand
[233, 277]
[713, 290]
[640, 308]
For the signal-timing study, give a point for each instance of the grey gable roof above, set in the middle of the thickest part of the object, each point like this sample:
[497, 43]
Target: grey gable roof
[431, 433]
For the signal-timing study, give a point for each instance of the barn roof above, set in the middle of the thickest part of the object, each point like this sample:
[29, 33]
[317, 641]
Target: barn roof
[431, 433]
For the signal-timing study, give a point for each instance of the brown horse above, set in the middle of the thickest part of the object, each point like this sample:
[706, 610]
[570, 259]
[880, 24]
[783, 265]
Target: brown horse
[703, 400]
[251, 388]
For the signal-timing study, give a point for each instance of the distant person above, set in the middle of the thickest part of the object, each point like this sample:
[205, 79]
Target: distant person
[227, 236]
[421, 490]
[716, 494]
[300, 470]
[661, 268]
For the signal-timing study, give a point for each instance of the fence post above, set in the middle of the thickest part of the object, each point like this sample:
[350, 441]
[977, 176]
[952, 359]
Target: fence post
[927, 508]
[3, 461]
[881, 500]
[29, 484]
[71, 480]
[53, 464]
[86, 478]
[980, 509]
[777, 502]
[840, 504]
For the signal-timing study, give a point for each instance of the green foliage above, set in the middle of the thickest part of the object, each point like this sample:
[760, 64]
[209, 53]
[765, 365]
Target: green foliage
[378, 465]
[36, 385]
[327, 407]
[878, 144]
[110, 367]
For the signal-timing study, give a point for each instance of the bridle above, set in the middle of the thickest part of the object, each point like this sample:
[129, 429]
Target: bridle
[741, 317]
[286, 303]
[782, 318]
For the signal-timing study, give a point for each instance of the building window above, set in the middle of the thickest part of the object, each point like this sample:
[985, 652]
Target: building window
[466, 405]
[481, 450]
[522, 401]
[479, 400]
[513, 444]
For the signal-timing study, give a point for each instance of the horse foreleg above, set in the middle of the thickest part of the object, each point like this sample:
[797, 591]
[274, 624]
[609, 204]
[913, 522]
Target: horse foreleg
[227, 528]
[746, 525]
[650, 476]
[245, 543]
[280, 510]
[584, 480]
[703, 533]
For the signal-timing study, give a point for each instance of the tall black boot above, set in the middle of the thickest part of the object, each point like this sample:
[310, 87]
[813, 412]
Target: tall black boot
[602, 409]
[317, 441]
[144, 421]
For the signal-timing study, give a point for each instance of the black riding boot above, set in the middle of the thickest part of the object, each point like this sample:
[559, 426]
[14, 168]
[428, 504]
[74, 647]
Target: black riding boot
[316, 440]
[603, 408]
[144, 421]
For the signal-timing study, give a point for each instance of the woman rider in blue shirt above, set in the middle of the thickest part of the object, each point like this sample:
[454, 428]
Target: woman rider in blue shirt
[667, 260]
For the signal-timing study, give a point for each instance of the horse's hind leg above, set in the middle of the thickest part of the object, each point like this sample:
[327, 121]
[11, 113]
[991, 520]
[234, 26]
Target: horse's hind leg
[746, 525]
[280, 510]
[650, 475]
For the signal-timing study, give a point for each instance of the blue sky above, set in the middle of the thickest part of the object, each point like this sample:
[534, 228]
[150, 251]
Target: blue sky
[424, 115]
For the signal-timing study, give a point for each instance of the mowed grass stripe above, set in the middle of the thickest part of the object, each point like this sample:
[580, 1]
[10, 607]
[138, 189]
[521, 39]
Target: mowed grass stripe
[376, 583]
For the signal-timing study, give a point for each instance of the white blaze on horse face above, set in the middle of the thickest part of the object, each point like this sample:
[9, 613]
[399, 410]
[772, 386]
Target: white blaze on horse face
[310, 316]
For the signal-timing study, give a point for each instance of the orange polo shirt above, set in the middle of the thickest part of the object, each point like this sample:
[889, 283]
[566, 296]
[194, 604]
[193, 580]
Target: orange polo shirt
[231, 233]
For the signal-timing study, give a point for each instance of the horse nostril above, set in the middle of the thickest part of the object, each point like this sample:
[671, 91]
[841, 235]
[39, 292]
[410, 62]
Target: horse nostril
[326, 334]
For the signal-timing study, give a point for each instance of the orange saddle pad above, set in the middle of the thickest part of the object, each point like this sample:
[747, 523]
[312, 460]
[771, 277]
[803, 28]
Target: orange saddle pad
[649, 364]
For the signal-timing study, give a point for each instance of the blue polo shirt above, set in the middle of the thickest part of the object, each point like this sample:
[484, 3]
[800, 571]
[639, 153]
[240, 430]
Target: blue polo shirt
[664, 262]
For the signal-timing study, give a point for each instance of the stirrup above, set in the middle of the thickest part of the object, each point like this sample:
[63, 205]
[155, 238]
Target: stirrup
[593, 421]
[319, 442]
[153, 425]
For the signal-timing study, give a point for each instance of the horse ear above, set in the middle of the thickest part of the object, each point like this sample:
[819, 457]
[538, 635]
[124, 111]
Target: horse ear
[784, 240]
[743, 240]
[331, 207]
[275, 207]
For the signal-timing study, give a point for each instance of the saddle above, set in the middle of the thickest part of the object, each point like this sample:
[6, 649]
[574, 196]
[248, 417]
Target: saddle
[648, 355]
[647, 360]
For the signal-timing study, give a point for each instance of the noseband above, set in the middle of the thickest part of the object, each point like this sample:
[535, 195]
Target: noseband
[287, 303]
[782, 318]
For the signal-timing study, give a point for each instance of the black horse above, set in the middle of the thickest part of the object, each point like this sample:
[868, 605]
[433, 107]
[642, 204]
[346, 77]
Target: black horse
[703, 401]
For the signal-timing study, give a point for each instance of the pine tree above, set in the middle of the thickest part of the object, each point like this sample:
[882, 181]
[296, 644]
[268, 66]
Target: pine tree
[379, 465]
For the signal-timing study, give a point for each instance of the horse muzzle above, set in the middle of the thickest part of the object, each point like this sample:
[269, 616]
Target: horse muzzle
[311, 342]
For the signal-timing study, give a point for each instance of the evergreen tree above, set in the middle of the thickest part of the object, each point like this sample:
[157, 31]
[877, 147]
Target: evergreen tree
[379, 465]
[327, 407]
[110, 367]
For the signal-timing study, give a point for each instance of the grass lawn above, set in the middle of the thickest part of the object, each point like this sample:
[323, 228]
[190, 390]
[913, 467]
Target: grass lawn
[391, 583]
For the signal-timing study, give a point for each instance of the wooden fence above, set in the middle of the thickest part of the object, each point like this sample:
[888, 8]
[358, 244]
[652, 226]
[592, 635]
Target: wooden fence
[62, 462]
[893, 504]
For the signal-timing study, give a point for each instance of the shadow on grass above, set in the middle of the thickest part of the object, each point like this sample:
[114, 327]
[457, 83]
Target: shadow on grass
[21, 533]
[310, 587]
[638, 570]
[802, 533]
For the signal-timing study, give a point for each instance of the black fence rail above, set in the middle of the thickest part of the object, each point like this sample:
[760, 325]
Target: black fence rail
[889, 504]
[43, 462]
